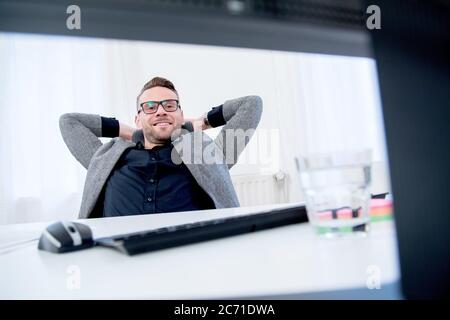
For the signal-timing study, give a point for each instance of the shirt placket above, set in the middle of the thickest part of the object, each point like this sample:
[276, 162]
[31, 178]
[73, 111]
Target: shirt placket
[151, 183]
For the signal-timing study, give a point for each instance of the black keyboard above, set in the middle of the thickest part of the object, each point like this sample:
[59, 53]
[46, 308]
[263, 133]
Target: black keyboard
[189, 233]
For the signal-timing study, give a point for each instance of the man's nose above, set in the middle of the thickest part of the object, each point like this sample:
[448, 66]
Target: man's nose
[160, 110]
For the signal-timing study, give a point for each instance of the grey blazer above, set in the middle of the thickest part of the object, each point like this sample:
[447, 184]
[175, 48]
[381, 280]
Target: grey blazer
[81, 134]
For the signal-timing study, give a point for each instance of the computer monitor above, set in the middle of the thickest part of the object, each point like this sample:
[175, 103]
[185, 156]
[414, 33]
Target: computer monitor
[412, 54]
[411, 51]
[331, 27]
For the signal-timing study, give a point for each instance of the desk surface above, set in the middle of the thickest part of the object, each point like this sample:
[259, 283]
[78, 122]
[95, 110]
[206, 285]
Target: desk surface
[285, 261]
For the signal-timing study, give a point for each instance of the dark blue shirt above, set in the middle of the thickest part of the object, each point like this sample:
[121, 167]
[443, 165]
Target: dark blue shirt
[147, 181]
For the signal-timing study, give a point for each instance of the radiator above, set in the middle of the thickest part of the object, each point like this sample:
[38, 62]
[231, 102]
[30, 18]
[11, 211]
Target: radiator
[253, 190]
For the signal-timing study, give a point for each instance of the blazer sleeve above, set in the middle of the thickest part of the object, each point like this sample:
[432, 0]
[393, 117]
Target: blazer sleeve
[241, 116]
[81, 134]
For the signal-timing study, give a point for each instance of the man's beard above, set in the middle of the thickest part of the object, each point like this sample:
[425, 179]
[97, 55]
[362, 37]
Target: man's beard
[154, 137]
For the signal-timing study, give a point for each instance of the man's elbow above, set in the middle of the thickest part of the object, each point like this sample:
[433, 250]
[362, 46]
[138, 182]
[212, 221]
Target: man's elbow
[63, 120]
[257, 104]
[66, 119]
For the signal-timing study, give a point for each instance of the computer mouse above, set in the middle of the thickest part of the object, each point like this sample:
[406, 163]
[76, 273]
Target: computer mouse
[66, 236]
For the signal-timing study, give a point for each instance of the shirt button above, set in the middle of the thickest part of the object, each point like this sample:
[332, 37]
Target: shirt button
[153, 158]
[149, 199]
[151, 180]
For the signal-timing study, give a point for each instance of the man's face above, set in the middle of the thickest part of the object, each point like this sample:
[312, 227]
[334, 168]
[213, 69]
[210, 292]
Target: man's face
[158, 126]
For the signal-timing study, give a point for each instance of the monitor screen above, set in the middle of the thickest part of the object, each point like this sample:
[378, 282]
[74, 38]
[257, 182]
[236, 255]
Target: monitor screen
[312, 104]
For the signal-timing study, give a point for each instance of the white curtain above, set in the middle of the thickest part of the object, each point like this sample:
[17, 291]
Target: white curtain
[328, 103]
[311, 103]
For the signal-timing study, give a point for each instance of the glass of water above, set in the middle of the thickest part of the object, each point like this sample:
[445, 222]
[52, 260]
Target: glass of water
[337, 190]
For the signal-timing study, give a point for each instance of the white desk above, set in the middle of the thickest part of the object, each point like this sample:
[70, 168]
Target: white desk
[288, 262]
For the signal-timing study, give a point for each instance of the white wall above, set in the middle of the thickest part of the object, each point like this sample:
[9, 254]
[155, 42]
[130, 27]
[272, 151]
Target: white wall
[311, 103]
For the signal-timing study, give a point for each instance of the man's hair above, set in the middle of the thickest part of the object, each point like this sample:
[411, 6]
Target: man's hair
[156, 82]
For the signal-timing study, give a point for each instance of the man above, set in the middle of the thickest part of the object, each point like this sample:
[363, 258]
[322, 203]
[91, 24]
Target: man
[151, 169]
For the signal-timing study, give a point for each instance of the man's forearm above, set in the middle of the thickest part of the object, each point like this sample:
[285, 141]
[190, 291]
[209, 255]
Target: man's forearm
[211, 119]
[241, 114]
[125, 131]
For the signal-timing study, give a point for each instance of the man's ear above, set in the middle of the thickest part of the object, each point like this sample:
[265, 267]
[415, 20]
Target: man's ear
[137, 121]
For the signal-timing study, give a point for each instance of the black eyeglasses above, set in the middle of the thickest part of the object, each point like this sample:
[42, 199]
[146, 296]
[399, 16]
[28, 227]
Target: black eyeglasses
[169, 105]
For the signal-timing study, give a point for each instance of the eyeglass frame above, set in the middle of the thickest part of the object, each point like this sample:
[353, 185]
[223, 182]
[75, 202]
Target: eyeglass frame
[159, 103]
